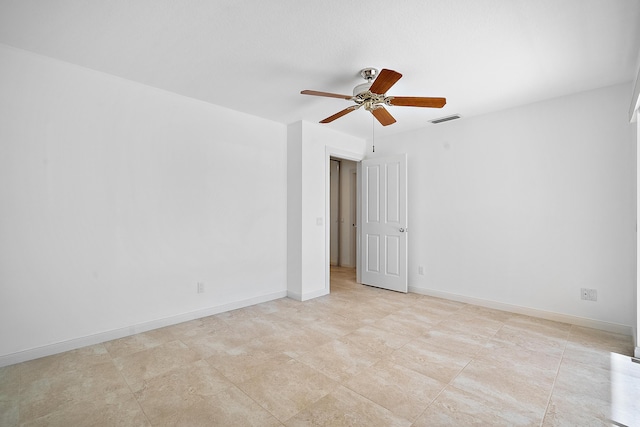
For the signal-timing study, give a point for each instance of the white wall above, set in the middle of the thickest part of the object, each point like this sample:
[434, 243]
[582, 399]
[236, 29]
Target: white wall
[117, 198]
[526, 206]
[636, 334]
[309, 147]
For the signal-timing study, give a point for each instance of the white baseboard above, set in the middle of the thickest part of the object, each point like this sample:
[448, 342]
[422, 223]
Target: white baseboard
[305, 297]
[72, 344]
[294, 295]
[558, 317]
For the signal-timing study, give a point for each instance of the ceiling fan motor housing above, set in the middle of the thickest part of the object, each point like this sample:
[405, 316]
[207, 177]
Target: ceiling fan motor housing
[361, 88]
[368, 74]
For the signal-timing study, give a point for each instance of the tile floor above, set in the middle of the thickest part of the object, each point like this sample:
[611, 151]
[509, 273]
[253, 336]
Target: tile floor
[358, 357]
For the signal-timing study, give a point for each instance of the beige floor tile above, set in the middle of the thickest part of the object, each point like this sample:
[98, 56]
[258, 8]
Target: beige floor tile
[458, 408]
[138, 342]
[439, 306]
[243, 363]
[339, 359]
[519, 387]
[66, 389]
[435, 362]
[9, 396]
[215, 344]
[178, 389]
[205, 327]
[10, 379]
[391, 302]
[465, 343]
[588, 356]
[543, 327]
[245, 313]
[588, 392]
[343, 407]
[403, 391]
[293, 342]
[470, 311]
[478, 326]
[516, 357]
[122, 411]
[601, 340]
[335, 325]
[583, 380]
[246, 329]
[75, 360]
[407, 322]
[620, 403]
[509, 336]
[9, 411]
[596, 393]
[364, 312]
[139, 367]
[575, 410]
[230, 407]
[618, 386]
[286, 389]
[377, 341]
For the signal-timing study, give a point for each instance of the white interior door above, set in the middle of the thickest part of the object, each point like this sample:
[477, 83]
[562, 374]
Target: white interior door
[384, 223]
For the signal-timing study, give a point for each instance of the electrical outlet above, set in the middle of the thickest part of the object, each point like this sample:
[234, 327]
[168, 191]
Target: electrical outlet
[421, 270]
[200, 287]
[589, 294]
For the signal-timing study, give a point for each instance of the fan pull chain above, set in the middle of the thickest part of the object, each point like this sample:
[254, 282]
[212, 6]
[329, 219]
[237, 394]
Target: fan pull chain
[373, 134]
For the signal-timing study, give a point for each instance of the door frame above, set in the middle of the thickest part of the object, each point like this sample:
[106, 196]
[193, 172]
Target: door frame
[354, 156]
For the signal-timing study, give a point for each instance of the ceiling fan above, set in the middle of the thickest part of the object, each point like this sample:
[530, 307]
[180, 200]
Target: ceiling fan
[372, 96]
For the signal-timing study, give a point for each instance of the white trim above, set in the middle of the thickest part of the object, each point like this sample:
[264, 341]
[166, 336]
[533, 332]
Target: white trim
[48, 350]
[310, 295]
[635, 99]
[558, 317]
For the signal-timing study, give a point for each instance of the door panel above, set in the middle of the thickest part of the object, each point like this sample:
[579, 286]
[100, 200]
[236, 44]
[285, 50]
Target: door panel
[373, 253]
[384, 222]
[393, 256]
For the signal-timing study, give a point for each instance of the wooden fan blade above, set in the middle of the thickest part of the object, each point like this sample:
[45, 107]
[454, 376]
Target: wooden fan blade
[416, 101]
[327, 94]
[384, 117]
[340, 114]
[384, 81]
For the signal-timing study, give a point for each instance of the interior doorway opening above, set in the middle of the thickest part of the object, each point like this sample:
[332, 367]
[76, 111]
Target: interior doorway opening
[343, 218]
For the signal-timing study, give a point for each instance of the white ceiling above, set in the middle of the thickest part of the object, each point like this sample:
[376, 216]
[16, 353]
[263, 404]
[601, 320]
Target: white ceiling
[256, 56]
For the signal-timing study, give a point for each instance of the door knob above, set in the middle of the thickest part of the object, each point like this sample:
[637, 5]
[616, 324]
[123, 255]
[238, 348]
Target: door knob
[402, 230]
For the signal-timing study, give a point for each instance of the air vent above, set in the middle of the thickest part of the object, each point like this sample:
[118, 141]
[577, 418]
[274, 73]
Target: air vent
[445, 119]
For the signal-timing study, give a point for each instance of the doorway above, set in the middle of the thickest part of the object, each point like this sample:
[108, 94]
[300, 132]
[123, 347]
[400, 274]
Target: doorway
[343, 212]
